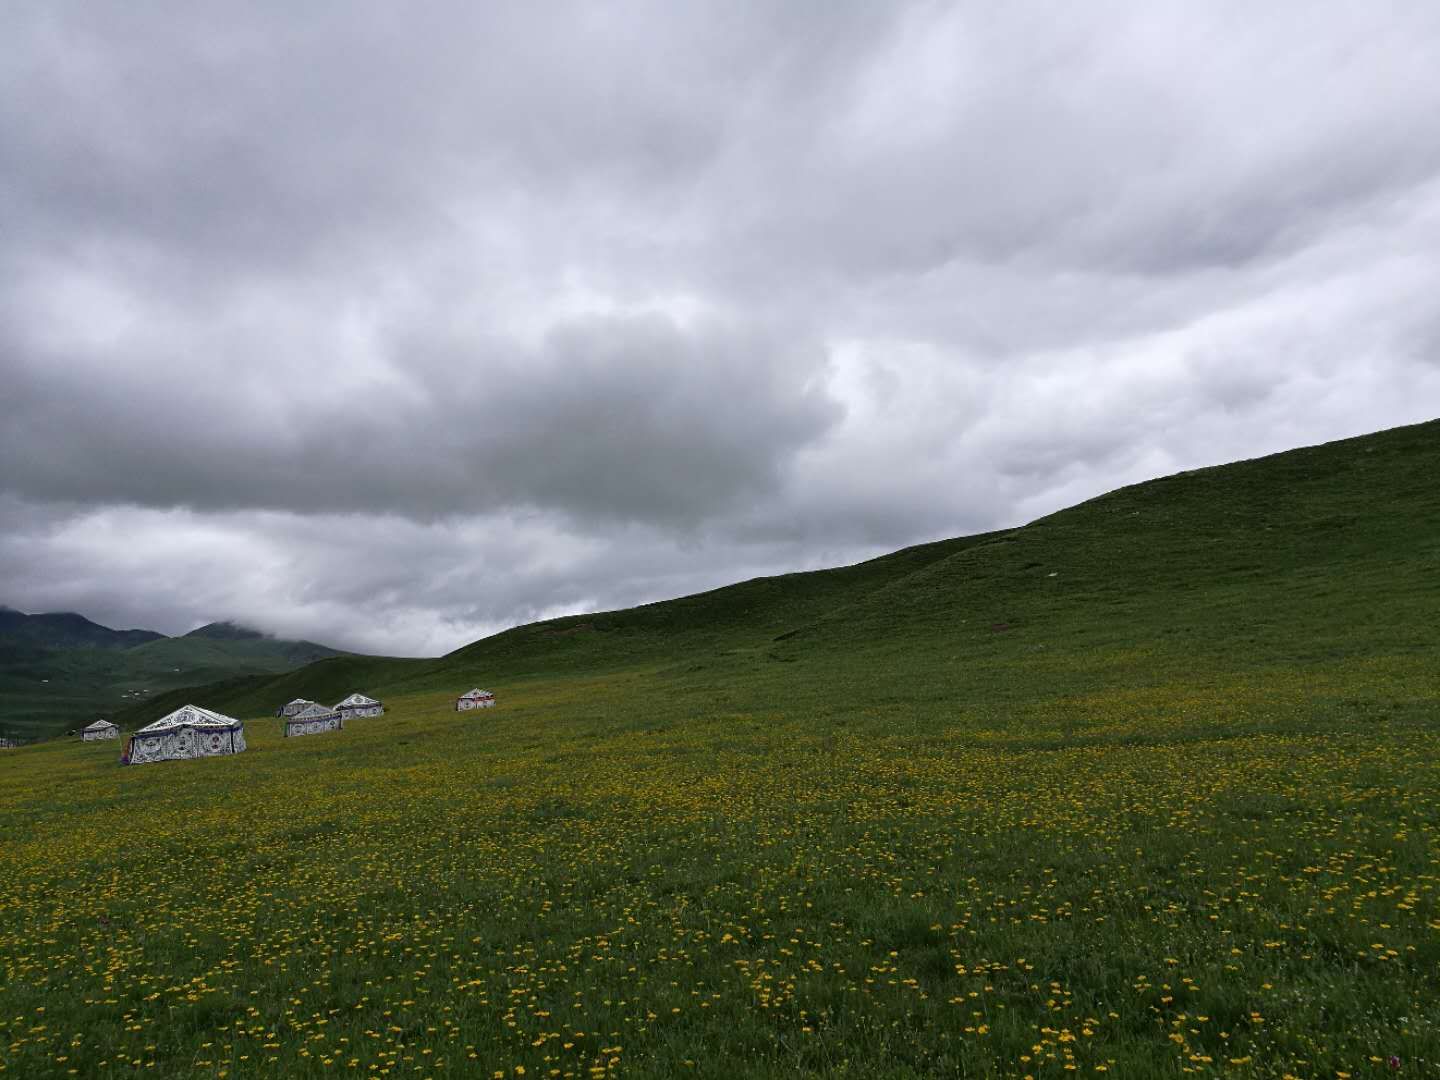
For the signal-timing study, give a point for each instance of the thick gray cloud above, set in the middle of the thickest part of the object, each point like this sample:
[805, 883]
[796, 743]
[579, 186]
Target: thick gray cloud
[393, 326]
[609, 416]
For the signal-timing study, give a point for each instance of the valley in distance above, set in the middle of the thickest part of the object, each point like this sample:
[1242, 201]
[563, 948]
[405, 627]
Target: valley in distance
[1147, 787]
[60, 671]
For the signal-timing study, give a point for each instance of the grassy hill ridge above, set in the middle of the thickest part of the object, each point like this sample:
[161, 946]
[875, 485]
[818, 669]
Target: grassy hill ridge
[1337, 534]
[747, 614]
[1346, 536]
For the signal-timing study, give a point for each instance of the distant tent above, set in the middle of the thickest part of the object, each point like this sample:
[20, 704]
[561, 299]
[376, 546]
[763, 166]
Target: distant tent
[188, 732]
[314, 719]
[290, 709]
[100, 729]
[475, 699]
[359, 705]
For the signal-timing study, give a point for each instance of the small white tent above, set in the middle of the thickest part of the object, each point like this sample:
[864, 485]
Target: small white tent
[293, 707]
[100, 729]
[359, 705]
[312, 720]
[188, 732]
[475, 699]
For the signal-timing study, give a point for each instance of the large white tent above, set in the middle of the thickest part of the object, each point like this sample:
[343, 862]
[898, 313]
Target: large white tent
[292, 707]
[100, 729]
[475, 699]
[314, 719]
[359, 705]
[188, 732]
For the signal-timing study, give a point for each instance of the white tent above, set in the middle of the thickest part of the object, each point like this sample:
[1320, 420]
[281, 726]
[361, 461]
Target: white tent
[475, 699]
[188, 732]
[312, 720]
[359, 705]
[100, 729]
[293, 707]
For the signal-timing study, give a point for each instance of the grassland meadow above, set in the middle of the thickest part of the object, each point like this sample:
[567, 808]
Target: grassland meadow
[1089, 798]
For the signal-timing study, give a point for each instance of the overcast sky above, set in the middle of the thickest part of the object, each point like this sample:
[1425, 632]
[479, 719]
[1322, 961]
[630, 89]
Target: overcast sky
[392, 325]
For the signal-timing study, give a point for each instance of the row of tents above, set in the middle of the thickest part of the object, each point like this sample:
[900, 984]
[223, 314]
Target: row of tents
[305, 717]
[191, 731]
[354, 705]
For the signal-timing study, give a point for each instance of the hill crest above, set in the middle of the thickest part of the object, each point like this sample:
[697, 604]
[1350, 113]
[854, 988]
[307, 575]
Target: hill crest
[226, 630]
[1183, 559]
[67, 630]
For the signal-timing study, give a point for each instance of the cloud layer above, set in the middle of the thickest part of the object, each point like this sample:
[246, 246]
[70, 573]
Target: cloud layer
[390, 328]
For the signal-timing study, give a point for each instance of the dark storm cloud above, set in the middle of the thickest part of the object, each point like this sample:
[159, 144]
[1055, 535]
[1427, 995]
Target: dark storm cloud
[462, 314]
[630, 417]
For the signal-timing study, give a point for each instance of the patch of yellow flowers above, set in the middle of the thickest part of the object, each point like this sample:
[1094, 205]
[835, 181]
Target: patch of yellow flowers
[587, 885]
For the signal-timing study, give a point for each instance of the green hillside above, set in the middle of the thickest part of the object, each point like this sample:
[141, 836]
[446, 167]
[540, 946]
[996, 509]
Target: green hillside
[732, 618]
[326, 680]
[1147, 787]
[47, 690]
[1307, 556]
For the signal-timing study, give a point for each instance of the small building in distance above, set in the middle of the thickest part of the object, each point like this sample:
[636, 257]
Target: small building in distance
[314, 719]
[359, 705]
[475, 699]
[293, 707]
[100, 729]
[188, 732]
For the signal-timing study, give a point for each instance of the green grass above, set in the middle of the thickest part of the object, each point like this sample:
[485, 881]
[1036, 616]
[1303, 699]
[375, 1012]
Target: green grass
[1149, 785]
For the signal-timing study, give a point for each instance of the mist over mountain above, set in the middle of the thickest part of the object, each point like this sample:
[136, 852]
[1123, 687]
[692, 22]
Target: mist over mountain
[225, 631]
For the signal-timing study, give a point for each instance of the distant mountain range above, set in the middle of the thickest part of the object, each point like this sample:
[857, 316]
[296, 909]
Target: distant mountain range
[67, 630]
[60, 670]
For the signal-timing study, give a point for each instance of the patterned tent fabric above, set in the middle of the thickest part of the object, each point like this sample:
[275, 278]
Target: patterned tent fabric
[188, 732]
[360, 705]
[100, 729]
[190, 716]
[290, 708]
[475, 699]
[314, 719]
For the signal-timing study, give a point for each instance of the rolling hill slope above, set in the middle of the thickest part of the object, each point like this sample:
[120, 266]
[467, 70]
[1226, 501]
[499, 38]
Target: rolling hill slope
[1313, 554]
[735, 616]
[1318, 552]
